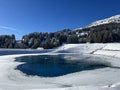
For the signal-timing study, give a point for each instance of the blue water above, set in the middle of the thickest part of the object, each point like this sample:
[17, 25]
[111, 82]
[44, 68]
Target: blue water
[22, 51]
[57, 65]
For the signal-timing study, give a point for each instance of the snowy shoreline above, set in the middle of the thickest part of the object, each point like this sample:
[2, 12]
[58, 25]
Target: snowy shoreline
[107, 49]
[99, 79]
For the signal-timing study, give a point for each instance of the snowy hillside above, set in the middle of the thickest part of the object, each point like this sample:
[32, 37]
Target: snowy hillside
[79, 48]
[108, 49]
[113, 19]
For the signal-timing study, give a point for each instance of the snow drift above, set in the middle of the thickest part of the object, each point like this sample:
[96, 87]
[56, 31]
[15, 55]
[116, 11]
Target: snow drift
[99, 79]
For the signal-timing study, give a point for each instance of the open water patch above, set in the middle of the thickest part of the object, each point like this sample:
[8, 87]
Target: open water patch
[58, 65]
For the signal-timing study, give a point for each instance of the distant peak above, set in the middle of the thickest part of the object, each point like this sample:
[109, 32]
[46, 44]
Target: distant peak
[113, 19]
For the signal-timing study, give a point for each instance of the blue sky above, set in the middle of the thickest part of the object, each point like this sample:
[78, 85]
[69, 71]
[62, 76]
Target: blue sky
[21, 17]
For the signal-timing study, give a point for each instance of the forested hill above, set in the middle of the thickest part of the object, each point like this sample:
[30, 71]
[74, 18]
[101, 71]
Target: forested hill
[96, 33]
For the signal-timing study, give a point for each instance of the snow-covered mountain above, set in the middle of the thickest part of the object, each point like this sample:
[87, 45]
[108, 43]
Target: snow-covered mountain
[113, 19]
[101, 31]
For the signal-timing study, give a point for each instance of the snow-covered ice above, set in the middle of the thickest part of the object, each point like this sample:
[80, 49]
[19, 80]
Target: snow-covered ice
[99, 79]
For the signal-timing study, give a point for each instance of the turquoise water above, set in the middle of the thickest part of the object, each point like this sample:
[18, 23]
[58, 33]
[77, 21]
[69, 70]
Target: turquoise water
[58, 65]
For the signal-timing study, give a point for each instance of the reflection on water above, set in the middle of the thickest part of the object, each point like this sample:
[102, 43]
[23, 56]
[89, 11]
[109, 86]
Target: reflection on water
[57, 65]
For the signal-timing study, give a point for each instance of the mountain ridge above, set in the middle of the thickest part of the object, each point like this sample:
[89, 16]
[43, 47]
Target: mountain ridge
[112, 19]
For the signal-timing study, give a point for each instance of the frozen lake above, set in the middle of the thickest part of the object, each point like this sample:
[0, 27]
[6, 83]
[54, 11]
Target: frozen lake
[65, 68]
[58, 65]
[22, 51]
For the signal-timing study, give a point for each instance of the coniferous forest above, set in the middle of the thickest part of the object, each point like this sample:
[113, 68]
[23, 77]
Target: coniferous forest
[105, 33]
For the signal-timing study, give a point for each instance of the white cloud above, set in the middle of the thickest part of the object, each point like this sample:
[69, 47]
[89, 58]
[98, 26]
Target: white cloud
[8, 28]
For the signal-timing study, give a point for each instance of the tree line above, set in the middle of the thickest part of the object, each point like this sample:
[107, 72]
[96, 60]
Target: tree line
[96, 34]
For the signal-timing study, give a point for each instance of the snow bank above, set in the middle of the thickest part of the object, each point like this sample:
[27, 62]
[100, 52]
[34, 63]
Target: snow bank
[112, 46]
[99, 79]
[111, 49]
[108, 49]
[79, 48]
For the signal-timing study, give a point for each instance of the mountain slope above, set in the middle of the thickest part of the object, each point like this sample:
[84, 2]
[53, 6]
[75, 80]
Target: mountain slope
[113, 19]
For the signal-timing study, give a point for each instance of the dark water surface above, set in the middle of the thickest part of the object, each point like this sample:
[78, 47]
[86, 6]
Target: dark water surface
[57, 65]
[22, 51]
